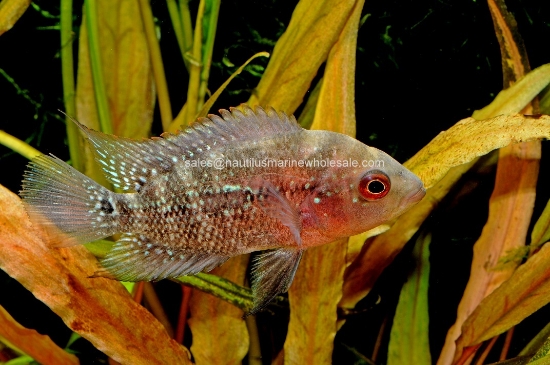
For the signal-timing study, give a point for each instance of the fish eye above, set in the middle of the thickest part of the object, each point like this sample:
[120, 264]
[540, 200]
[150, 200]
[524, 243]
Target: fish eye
[374, 185]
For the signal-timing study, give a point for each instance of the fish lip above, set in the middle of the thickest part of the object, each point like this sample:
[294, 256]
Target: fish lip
[416, 195]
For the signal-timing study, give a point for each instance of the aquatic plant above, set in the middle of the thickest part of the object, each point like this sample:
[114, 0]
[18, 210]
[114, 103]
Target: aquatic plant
[311, 71]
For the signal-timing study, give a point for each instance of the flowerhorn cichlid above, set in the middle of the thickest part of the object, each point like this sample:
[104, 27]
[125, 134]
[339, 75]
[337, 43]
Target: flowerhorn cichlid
[250, 180]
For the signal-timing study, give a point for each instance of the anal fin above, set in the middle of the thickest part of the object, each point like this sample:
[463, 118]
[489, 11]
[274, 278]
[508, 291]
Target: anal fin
[272, 274]
[134, 258]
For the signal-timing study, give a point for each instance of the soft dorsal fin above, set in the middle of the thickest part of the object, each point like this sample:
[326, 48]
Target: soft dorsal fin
[128, 163]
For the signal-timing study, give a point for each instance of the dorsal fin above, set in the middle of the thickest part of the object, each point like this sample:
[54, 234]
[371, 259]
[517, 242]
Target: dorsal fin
[128, 164]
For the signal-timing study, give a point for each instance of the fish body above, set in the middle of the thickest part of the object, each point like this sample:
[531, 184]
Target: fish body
[250, 180]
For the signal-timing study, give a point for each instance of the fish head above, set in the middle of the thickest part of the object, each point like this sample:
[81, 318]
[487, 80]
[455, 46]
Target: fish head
[354, 197]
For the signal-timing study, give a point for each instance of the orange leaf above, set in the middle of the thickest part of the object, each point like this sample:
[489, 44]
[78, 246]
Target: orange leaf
[99, 309]
[510, 210]
[39, 347]
[527, 290]
[219, 331]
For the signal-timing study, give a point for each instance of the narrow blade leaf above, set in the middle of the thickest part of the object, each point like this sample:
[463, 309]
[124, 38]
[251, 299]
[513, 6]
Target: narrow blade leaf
[320, 277]
[314, 28]
[409, 342]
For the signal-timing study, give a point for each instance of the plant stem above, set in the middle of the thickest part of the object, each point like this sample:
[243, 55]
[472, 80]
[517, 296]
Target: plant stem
[206, 107]
[156, 307]
[176, 22]
[506, 346]
[156, 61]
[19, 146]
[187, 28]
[184, 312]
[90, 8]
[67, 73]
[191, 106]
[212, 11]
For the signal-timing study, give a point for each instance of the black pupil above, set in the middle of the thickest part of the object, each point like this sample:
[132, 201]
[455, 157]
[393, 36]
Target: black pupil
[376, 187]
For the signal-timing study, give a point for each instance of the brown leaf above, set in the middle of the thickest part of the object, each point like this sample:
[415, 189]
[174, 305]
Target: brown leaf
[39, 347]
[219, 331]
[527, 290]
[314, 28]
[10, 12]
[319, 279]
[99, 309]
[515, 63]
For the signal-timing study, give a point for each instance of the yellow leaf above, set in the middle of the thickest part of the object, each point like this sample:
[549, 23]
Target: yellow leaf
[313, 297]
[319, 279]
[10, 12]
[514, 99]
[126, 70]
[98, 309]
[314, 28]
[219, 331]
[40, 347]
[471, 138]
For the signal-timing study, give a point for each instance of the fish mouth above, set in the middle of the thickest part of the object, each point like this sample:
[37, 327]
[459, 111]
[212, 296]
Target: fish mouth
[416, 195]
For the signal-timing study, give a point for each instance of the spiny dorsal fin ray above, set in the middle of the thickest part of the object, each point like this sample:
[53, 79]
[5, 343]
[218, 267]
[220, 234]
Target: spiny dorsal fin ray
[272, 274]
[134, 258]
[128, 164]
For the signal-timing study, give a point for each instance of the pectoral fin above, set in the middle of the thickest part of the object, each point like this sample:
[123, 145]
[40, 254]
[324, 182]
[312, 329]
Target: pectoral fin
[277, 206]
[272, 274]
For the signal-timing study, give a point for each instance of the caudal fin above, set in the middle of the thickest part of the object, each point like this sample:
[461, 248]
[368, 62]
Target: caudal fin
[56, 194]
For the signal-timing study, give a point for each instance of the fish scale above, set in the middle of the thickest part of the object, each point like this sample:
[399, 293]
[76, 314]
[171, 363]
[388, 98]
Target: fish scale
[177, 218]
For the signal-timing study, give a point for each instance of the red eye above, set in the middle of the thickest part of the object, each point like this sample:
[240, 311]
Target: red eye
[374, 185]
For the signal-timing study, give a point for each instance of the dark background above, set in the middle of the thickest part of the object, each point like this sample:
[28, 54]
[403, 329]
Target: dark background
[421, 66]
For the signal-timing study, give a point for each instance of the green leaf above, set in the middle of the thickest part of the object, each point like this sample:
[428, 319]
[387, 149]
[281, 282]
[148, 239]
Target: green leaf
[541, 231]
[409, 342]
